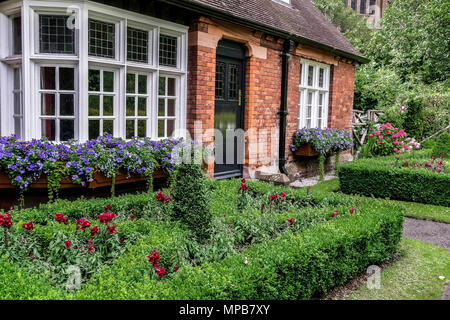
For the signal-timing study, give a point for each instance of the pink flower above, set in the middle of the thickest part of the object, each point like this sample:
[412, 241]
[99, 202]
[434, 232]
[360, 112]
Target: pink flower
[378, 142]
[395, 149]
[381, 137]
[352, 210]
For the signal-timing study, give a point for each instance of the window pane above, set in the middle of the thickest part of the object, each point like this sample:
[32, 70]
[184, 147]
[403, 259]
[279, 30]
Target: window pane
[137, 49]
[94, 129]
[161, 108]
[220, 80]
[17, 35]
[54, 36]
[108, 106]
[162, 86]
[48, 129]
[48, 105]
[48, 78]
[310, 75]
[171, 107]
[66, 106]
[66, 79]
[94, 80]
[67, 129]
[142, 84]
[161, 129]
[17, 76]
[101, 39]
[130, 107]
[94, 105]
[17, 103]
[362, 7]
[142, 107]
[131, 83]
[129, 129]
[233, 81]
[321, 77]
[142, 128]
[170, 127]
[171, 87]
[168, 51]
[108, 81]
[108, 127]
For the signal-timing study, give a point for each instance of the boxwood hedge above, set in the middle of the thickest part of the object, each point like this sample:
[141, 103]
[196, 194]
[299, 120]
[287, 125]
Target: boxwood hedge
[380, 178]
[293, 266]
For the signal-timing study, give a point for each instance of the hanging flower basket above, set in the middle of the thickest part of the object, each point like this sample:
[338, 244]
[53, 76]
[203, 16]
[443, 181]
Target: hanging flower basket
[306, 151]
[99, 180]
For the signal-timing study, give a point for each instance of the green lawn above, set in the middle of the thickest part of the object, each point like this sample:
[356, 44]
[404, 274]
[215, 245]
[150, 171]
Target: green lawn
[412, 209]
[414, 277]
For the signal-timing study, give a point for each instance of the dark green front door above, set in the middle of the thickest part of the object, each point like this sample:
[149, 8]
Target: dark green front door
[229, 110]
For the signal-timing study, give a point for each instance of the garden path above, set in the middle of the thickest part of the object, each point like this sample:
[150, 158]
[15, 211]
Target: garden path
[436, 233]
[429, 231]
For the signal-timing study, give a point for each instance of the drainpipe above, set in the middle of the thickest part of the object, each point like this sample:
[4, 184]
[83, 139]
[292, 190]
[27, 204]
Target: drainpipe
[283, 113]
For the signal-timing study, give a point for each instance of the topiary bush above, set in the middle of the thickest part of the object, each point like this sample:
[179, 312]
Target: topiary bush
[442, 145]
[414, 116]
[190, 200]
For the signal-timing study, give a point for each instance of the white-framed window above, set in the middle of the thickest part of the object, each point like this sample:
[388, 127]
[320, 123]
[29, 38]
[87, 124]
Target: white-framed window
[313, 95]
[58, 102]
[138, 104]
[102, 101]
[18, 102]
[167, 105]
[117, 57]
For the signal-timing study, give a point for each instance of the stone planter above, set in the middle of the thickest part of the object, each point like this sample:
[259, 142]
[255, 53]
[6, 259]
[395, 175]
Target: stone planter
[100, 180]
[306, 151]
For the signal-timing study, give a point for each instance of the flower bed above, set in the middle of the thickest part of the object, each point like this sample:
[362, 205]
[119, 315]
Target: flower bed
[323, 140]
[276, 244]
[96, 163]
[412, 177]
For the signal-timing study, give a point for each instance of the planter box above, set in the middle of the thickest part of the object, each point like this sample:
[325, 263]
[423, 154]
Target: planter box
[99, 180]
[306, 151]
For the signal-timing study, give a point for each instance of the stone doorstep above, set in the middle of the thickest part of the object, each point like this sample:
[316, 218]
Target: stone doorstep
[277, 178]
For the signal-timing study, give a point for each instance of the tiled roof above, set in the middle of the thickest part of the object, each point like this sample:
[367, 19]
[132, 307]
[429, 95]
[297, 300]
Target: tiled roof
[301, 19]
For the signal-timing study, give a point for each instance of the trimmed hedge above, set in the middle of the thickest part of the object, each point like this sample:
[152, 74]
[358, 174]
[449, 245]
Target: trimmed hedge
[294, 266]
[379, 178]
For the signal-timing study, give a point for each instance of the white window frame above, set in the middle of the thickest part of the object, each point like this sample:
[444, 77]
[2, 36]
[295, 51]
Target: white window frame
[57, 92]
[32, 59]
[315, 90]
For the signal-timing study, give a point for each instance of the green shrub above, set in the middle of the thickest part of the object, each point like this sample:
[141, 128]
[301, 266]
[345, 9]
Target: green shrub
[380, 178]
[190, 200]
[428, 144]
[442, 145]
[414, 118]
[18, 284]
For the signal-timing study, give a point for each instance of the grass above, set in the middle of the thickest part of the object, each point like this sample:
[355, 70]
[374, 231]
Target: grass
[412, 209]
[414, 277]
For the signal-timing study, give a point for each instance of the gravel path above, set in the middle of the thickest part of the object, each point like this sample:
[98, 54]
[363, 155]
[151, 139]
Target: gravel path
[428, 231]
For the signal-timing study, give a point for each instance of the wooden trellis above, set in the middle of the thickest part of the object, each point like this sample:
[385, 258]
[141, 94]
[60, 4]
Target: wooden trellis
[360, 123]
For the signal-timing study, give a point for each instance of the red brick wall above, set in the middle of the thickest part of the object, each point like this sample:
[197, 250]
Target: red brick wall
[263, 89]
[342, 84]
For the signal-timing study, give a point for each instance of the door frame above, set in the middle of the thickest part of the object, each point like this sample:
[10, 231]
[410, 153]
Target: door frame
[234, 50]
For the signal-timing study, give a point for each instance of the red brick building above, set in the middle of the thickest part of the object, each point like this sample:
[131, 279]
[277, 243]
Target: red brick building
[79, 69]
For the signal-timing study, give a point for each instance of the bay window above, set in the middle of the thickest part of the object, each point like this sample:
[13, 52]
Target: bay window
[108, 71]
[313, 95]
